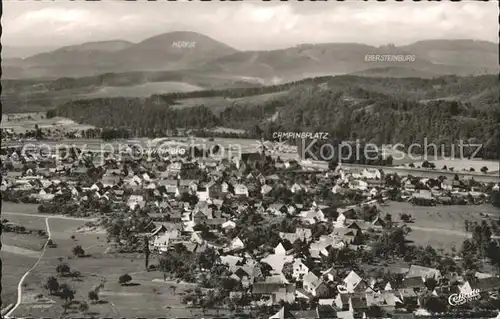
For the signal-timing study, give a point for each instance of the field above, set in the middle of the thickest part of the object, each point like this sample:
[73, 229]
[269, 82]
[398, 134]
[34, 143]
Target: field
[157, 298]
[13, 268]
[464, 164]
[219, 104]
[20, 123]
[144, 90]
[440, 226]
[19, 208]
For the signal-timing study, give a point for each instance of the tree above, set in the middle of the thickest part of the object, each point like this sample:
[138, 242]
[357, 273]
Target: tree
[93, 296]
[146, 252]
[52, 285]
[484, 169]
[78, 251]
[495, 199]
[124, 279]
[67, 294]
[431, 283]
[332, 165]
[434, 304]
[388, 220]
[374, 311]
[63, 269]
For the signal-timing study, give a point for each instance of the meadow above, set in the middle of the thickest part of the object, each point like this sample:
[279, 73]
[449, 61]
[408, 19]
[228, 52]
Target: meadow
[218, 104]
[13, 268]
[465, 164]
[440, 226]
[144, 90]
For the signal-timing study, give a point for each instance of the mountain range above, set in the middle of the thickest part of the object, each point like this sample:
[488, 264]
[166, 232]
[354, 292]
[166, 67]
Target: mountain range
[195, 52]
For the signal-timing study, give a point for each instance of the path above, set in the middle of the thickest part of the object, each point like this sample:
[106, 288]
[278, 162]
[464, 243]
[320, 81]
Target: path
[442, 231]
[50, 216]
[20, 285]
[47, 217]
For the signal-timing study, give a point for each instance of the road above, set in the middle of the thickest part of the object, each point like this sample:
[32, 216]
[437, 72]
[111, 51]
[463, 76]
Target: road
[20, 285]
[51, 216]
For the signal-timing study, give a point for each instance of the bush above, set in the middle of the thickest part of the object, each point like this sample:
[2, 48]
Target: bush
[93, 296]
[405, 217]
[78, 251]
[63, 269]
[124, 279]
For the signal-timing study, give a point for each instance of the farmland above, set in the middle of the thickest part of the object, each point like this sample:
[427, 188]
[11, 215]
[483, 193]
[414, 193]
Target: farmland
[465, 164]
[116, 299]
[440, 226]
[219, 104]
[143, 90]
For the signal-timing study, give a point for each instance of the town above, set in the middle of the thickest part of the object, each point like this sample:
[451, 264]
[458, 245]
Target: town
[263, 237]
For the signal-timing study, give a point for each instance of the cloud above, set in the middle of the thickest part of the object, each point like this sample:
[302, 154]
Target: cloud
[244, 25]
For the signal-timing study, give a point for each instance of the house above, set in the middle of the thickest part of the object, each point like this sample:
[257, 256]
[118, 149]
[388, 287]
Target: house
[229, 225]
[415, 283]
[342, 302]
[277, 262]
[240, 190]
[276, 292]
[424, 272]
[408, 296]
[276, 209]
[203, 194]
[265, 189]
[371, 173]
[296, 188]
[378, 222]
[214, 189]
[313, 215]
[484, 285]
[337, 189]
[283, 248]
[237, 244]
[188, 185]
[357, 304]
[135, 200]
[350, 282]
[314, 285]
[169, 186]
[350, 236]
[330, 273]
[373, 192]
[303, 234]
[160, 243]
[299, 269]
[358, 184]
[340, 222]
[423, 198]
[283, 313]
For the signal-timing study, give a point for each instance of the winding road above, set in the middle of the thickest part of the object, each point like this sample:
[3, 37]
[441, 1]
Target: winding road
[20, 285]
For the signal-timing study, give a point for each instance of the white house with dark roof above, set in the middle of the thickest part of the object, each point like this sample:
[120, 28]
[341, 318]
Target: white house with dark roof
[423, 272]
[299, 269]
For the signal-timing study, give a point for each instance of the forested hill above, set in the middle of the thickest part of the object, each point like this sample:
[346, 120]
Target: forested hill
[380, 110]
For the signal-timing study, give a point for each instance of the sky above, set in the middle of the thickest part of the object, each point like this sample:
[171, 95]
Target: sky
[247, 25]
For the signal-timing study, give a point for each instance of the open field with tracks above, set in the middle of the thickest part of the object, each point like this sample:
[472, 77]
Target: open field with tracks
[441, 226]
